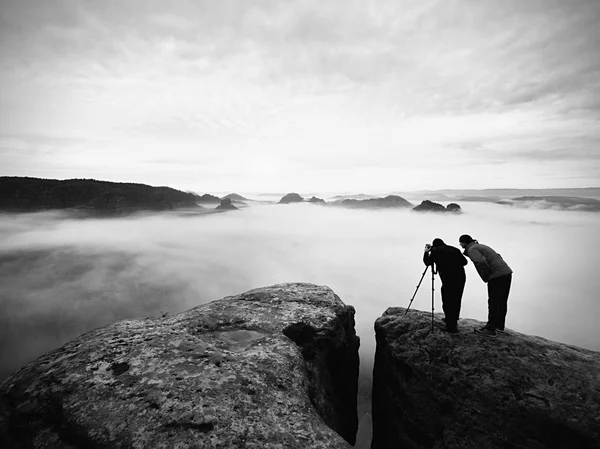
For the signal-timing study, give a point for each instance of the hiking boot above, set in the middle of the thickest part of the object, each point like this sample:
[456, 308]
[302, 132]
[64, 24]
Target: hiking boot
[486, 331]
[500, 331]
[451, 330]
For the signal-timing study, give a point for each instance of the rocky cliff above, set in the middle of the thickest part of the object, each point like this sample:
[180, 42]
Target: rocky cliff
[275, 367]
[462, 390]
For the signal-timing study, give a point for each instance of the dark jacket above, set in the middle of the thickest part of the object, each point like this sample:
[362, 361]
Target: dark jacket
[489, 263]
[449, 263]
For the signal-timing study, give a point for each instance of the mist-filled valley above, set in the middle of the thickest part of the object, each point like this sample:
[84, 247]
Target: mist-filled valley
[60, 277]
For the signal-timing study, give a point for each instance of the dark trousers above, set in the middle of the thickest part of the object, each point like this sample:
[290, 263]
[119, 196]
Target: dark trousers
[451, 299]
[498, 290]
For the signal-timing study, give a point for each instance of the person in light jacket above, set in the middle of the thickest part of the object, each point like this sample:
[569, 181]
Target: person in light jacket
[494, 271]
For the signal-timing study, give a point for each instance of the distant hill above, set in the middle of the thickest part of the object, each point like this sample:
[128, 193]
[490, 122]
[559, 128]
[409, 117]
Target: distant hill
[358, 196]
[560, 202]
[584, 192]
[207, 198]
[23, 194]
[376, 203]
[234, 197]
[291, 198]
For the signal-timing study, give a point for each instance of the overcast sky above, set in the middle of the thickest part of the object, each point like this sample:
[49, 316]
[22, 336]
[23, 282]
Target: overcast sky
[272, 95]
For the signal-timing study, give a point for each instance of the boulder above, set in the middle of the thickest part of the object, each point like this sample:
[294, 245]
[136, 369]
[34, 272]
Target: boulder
[275, 367]
[291, 198]
[440, 390]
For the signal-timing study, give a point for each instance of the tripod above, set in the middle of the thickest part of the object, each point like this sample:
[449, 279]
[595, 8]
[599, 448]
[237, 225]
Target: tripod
[432, 292]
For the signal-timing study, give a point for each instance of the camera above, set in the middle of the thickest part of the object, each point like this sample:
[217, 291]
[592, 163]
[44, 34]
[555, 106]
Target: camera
[428, 247]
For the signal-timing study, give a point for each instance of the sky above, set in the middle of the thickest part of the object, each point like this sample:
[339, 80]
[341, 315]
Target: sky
[297, 95]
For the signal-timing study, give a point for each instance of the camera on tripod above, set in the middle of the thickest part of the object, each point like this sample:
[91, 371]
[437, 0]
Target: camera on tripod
[428, 247]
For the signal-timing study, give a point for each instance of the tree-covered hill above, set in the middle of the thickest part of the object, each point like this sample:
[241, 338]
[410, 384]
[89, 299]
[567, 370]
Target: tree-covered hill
[23, 194]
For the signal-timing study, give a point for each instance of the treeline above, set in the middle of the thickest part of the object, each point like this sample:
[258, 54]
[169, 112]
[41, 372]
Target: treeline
[23, 194]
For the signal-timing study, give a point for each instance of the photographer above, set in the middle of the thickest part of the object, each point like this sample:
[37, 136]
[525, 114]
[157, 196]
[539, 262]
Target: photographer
[450, 263]
[494, 271]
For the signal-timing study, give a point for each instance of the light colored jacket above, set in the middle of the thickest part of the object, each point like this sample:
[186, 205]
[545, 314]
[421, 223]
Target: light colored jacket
[489, 263]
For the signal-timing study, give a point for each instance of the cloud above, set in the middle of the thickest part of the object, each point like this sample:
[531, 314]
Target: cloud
[61, 277]
[292, 80]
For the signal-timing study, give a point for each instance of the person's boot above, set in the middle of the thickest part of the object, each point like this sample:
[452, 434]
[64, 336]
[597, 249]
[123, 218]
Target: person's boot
[486, 331]
[451, 328]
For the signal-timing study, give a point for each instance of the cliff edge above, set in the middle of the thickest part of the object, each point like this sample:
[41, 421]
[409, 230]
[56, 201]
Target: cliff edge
[270, 368]
[462, 390]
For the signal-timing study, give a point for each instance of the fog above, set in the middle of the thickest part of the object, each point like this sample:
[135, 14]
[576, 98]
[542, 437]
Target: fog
[60, 277]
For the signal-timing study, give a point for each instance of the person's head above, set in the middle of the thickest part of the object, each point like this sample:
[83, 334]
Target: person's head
[464, 240]
[437, 242]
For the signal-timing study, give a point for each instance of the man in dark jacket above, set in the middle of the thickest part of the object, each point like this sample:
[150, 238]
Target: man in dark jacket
[450, 265]
[497, 274]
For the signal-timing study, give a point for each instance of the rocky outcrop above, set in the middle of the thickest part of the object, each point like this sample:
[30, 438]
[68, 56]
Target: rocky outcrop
[453, 207]
[226, 204]
[314, 199]
[291, 198]
[440, 390]
[377, 203]
[430, 206]
[274, 367]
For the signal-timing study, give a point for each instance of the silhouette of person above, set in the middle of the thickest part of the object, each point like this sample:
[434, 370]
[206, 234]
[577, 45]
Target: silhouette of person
[497, 274]
[450, 263]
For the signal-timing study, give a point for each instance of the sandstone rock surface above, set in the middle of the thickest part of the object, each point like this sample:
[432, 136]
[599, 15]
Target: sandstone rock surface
[463, 390]
[275, 367]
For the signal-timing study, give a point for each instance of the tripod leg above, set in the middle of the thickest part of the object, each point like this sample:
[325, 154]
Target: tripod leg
[417, 289]
[432, 295]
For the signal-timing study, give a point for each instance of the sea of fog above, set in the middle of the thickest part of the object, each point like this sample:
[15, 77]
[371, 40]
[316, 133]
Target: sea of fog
[60, 277]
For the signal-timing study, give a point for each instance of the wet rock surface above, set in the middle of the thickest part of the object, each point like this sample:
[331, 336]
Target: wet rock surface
[275, 367]
[463, 390]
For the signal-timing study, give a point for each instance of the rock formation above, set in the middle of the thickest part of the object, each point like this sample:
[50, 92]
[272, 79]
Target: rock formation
[462, 390]
[226, 205]
[453, 207]
[314, 199]
[377, 203]
[274, 367]
[429, 206]
[291, 198]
